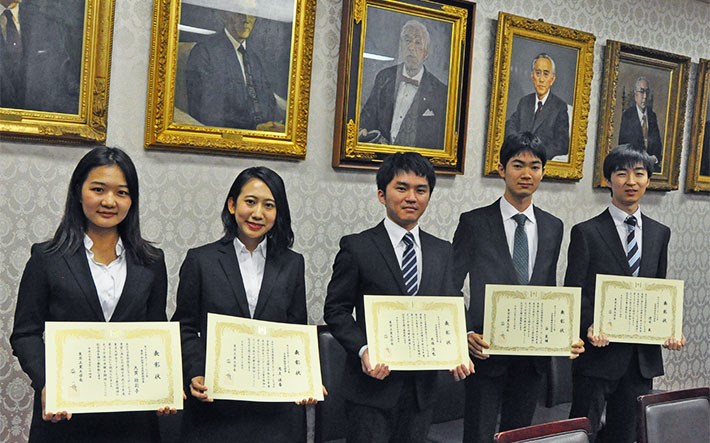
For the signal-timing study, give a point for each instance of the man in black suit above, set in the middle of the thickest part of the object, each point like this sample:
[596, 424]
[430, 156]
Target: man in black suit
[509, 242]
[639, 125]
[542, 112]
[407, 104]
[619, 241]
[227, 85]
[381, 406]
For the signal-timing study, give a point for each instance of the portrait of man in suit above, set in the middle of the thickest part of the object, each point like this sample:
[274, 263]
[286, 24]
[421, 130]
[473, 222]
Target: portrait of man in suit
[705, 157]
[542, 112]
[622, 240]
[509, 242]
[40, 55]
[396, 257]
[407, 103]
[639, 125]
[227, 83]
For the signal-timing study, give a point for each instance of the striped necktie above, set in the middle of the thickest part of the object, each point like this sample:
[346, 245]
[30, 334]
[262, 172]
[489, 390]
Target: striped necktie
[409, 264]
[633, 253]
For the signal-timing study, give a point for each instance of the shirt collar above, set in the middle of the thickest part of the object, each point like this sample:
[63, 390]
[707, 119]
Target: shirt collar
[14, 8]
[508, 211]
[396, 232]
[543, 100]
[234, 41]
[88, 243]
[620, 216]
[241, 249]
[417, 77]
[640, 113]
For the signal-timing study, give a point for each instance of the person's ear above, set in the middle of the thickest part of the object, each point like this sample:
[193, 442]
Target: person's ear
[231, 206]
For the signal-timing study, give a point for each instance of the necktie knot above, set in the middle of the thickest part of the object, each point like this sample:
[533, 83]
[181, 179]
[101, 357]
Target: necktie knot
[539, 105]
[241, 49]
[520, 219]
[631, 221]
[408, 239]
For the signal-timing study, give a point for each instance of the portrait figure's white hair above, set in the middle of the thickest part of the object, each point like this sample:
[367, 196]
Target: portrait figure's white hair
[546, 57]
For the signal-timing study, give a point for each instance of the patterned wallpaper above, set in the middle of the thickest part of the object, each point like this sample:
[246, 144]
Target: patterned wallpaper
[183, 193]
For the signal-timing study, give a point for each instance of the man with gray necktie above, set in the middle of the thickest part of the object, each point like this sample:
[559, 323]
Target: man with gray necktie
[509, 242]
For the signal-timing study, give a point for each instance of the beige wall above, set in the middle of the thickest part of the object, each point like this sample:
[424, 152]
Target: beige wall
[182, 194]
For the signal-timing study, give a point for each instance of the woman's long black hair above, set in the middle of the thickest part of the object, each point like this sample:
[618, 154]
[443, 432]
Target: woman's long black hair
[281, 235]
[69, 237]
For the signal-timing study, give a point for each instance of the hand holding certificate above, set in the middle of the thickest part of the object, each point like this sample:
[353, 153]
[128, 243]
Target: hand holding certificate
[416, 333]
[256, 360]
[531, 320]
[112, 367]
[638, 310]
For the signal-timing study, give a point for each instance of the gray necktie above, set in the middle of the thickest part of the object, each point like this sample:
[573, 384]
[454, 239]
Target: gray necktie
[520, 249]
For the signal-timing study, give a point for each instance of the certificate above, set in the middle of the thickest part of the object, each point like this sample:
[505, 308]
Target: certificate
[256, 360]
[638, 310]
[112, 367]
[415, 333]
[531, 320]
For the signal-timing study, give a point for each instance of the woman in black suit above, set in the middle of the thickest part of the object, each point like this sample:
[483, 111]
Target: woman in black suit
[250, 272]
[96, 268]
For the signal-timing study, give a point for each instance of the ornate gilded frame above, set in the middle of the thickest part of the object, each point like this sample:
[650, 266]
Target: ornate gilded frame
[163, 133]
[545, 35]
[677, 68]
[348, 151]
[698, 175]
[89, 123]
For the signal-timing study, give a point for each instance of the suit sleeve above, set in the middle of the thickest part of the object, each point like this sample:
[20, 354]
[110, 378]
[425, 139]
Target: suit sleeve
[30, 314]
[663, 258]
[512, 125]
[189, 314]
[343, 293]
[197, 82]
[159, 291]
[560, 138]
[578, 260]
[297, 312]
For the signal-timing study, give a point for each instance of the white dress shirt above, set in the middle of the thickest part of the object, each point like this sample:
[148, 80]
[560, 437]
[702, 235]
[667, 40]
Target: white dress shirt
[251, 265]
[15, 10]
[396, 234]
[108, 279]
[538, 99]
[236, 45]
[403, 101]
[619, 218]
[507, 211]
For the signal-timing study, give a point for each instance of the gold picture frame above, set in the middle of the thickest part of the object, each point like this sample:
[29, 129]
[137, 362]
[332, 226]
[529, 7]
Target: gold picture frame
[698, 175]
[372, 59]
[59, 85]
[190, 106]
[561, 123]
[626, 68]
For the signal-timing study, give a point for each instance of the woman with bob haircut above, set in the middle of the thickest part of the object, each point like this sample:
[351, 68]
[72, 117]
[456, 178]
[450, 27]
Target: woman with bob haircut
[250, 272]
[96, 268]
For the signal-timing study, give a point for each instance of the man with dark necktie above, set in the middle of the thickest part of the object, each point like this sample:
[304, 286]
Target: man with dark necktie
[639, 125]
[227, 85]
[407, 104]
[542, 112]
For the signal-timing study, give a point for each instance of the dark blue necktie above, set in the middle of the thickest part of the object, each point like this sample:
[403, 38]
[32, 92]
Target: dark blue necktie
[633, 253]
[520, 249]
[409, 264]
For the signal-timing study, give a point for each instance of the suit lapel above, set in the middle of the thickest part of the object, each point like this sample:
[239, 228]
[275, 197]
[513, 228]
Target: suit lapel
[135, 275]
[610, 237]
[544, 112]
[79, 267]
[499, 240]
[545, 243]
[272, 269]
[649, 235]
[384, 246]
[230, 266]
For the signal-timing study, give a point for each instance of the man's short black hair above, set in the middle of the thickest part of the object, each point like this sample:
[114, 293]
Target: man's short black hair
[522, 142]
[405, 162]
[627, 156]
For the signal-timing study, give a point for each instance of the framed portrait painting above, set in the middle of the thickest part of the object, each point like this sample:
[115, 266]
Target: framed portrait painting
[698, 176]
[230, 77]
[541, 84]
[54, 68]
[644, 92]
[403, 82]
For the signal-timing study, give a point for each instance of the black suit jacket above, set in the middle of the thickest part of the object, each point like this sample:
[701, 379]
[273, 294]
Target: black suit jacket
[630, 131]
[56, 287]
[551, 125]
[216, 91]
[367, 265]
[481, 252]
[423, 126]
[595, 248]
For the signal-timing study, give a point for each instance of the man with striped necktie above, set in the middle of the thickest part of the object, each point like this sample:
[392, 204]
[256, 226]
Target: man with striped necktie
[619, 241]
[395, 257]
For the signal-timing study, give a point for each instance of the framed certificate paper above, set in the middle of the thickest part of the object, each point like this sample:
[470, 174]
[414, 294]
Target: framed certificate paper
[256, 360]
[638, 310]
[112, 367]
[531, 320]
[416, 333]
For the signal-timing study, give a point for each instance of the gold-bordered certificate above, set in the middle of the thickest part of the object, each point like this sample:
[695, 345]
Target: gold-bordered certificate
[638, 310]
[416, 333]
[255, 360]
[112, 367]
[531, 320]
